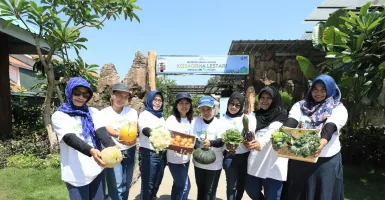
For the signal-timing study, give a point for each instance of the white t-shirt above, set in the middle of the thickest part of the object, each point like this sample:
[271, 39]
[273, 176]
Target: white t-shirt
[77, 169]
[266, 163]
[147, 119]
[108, 117]
[236, 123]
[184, 126]
[214, 131]
[339, 117]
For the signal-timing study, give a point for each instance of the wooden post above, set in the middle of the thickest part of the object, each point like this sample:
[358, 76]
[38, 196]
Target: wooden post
[5, 91]
[151, 67]
[249, 100]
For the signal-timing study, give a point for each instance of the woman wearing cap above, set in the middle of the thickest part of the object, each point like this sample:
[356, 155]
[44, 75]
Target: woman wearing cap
[74, 124]
[208, 128]
[265, 169]
[181, 121]
[235, 165]
[114, 117]
[151, 164]
[323, 110]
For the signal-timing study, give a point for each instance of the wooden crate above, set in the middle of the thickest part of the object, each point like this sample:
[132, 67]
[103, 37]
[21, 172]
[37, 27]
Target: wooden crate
[182, 149]
[284, 152]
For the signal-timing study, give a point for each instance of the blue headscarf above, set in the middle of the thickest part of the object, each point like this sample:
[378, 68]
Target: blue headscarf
[149, 107]
[319, 112]
[72, 110]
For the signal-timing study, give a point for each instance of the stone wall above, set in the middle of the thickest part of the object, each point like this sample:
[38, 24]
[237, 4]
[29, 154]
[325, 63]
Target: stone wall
[281, 72]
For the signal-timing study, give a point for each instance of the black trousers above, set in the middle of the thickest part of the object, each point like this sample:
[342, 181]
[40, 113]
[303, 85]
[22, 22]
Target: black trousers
[207, 183]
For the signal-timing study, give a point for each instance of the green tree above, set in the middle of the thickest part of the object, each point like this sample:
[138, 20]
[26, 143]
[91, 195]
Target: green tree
[161, 84]
[355, 56]
[59, 23]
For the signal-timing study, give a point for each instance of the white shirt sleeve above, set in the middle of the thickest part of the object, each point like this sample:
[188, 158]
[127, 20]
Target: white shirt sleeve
[98, 118]
[339, 117]
[274, 126]
[252, 122]
[61, 124]
[295, 112]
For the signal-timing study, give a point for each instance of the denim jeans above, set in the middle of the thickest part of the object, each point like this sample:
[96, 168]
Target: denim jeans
[207, 183]
[181, 186]
[272, 189]
[235, 167]
[119, 178]
[93, 191]
[151, 166]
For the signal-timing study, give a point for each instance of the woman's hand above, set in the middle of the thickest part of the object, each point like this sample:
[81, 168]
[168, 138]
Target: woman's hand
[254, 145]
[206, 143]
[97, 157]
[323, 143]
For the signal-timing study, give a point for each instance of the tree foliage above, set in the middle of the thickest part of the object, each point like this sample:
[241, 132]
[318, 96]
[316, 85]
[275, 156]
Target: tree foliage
[59, 24]
[355, 56]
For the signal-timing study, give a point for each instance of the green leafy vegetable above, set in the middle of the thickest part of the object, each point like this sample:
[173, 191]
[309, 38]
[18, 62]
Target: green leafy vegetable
[232, 136]
[280, 139]
[306, 144]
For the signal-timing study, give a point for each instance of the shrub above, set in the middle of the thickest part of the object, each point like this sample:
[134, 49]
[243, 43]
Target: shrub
[31, 161]
[364, 145]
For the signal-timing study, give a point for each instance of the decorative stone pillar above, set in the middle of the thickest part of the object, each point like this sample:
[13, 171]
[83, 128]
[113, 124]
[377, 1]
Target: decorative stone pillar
[151, 67]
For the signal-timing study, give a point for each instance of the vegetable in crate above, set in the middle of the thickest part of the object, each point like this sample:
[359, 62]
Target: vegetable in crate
[306, 144]
[280, 139]
[232, 138]
[247, 134]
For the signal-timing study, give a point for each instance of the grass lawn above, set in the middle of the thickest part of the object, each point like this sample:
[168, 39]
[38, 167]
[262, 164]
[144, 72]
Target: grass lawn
[31, 184]
[361, 183]
[364, 183]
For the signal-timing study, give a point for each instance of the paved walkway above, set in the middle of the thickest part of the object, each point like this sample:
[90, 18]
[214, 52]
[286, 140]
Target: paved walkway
[165, 188]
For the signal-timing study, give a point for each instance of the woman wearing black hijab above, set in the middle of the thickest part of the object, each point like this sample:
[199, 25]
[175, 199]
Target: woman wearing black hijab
[235, 164]
[265, 169]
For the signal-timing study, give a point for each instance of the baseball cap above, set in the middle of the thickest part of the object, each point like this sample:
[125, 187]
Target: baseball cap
[120, 87]
[183, 95]
[206, 101]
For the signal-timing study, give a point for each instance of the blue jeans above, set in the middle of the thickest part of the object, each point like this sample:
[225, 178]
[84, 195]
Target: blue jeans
[272, 189]
[93, 191]
[119, 178]
[151, 166]
[181, 186]
[235, 167]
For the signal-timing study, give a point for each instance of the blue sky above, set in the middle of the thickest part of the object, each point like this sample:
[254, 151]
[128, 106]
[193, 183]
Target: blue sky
[200, 27]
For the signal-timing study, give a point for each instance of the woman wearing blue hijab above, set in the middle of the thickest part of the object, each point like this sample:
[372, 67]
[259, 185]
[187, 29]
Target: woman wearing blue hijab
[75, 125]
[151, 164]
[323, 110]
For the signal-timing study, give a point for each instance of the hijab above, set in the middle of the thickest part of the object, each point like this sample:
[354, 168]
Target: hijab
[82, 111]
[274, 113]
[319, 112]
[149, 107]
[241, 99]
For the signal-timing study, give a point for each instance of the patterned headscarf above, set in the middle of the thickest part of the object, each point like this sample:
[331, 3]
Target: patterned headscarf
[319, 112]
[149, 107]
[72, 110]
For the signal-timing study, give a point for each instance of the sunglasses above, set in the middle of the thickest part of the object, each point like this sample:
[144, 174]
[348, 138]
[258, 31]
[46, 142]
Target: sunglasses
[77, 93]
[236, 105]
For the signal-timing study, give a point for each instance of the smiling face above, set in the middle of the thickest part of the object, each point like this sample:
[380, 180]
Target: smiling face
[157, 102]
[318, 92]
[80, 96]
[119, 98]
[265, 100]
[206, 112]
[183, 106]
[234, 106]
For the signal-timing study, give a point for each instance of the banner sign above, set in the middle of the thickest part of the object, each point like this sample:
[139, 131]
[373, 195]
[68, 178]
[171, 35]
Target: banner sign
[234, 65]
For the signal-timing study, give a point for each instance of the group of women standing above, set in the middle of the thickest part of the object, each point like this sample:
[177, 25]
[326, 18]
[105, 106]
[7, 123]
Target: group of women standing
[254, 166]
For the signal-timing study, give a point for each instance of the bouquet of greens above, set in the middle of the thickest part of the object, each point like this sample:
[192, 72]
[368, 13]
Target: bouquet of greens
[232, 138]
